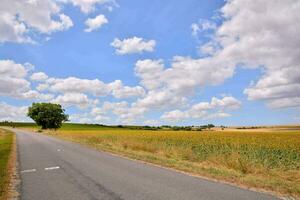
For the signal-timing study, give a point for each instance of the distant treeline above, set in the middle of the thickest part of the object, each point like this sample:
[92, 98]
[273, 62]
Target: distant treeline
[75, 126]
[252, 127]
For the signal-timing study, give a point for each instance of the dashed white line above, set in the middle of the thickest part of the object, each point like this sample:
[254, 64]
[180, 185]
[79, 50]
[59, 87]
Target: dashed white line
[28, 170]
[52, 168]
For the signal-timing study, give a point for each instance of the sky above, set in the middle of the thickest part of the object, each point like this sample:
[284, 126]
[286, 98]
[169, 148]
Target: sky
[193, 62]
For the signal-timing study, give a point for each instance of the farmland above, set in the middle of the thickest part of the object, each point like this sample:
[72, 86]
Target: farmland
[6, 145]
[260, 159]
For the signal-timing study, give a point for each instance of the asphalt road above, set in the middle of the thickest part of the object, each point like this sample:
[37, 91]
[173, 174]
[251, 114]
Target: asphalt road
[52, 169]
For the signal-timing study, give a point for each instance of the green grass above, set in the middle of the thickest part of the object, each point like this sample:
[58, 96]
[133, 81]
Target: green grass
[65, 126]
[68, 126]
[269, 160]
[6, 145]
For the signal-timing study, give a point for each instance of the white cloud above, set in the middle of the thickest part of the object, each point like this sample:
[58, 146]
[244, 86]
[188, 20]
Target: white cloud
[284, 102]
[95, 23]
[184, 75]
[262, 34]
[32, 94]
[13, 113]
[202, 25]
[38, 76]
[121, 91]
[154, 100]
[97, 111]
[12, 78]
[42, 86]
[227, 102]
[88, 118]
[94, 87]
[133, 45]
[87, 6]
[126, 114]
[174, 116]
[160, 99]
[205, 110]
[77, 85]
[13, 82]
[151, 122]
[150, 72]
[75, 99]
[19, 20]
[9, 68]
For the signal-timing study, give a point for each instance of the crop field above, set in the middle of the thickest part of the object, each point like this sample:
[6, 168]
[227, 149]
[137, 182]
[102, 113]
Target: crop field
[268, 159]
[6, 142]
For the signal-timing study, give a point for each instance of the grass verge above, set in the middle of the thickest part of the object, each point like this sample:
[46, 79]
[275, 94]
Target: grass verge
[7, 141]
[265, 160]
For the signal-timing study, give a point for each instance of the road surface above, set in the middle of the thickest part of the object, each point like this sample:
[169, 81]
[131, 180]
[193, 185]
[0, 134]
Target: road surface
[52, 169]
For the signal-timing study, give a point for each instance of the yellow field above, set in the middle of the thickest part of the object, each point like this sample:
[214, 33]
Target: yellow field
[260, 159]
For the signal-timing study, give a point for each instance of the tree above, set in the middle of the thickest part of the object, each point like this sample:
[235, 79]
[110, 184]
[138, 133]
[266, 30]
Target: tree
[210, 126]
[47, 115]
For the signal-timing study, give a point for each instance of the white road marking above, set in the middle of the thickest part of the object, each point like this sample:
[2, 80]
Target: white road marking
[28, 170]
[52, 168]
[58, 149]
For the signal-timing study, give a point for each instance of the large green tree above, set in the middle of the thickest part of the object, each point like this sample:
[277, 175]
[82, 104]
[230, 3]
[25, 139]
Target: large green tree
[47, 115]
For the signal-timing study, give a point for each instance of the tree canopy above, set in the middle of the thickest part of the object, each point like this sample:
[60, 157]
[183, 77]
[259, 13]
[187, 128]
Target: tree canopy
[47, 115]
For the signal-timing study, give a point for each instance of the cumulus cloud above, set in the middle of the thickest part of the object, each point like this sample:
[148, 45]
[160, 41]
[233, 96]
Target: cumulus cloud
[184, 75]
[174, 116]
[12, 78]
[42, 86]
[88, 118]
[125, 112]
[94, 87]
[150, 72]
[13, 82]
[32, 94]
[77, 85]
[121, 91]
[259, 35]
[39, 76]
[133, 45]
[88, 6]
[262, 34]
[159, 99]
[153, 100]
[95, 23]
[75, 99]
[20, 19]
[205, 110]
[13, 113]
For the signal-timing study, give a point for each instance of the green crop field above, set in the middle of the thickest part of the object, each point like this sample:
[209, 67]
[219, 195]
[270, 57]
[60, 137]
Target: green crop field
[6, 142]
[261, 159]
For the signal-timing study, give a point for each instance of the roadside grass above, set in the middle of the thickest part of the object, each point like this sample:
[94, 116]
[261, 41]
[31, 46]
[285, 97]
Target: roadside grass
[267, 160]
[6, 146]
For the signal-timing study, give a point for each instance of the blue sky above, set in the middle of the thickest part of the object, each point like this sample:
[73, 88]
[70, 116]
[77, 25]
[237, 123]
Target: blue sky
[152, 62]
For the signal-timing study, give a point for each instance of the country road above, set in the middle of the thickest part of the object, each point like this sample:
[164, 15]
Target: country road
[52, 169]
